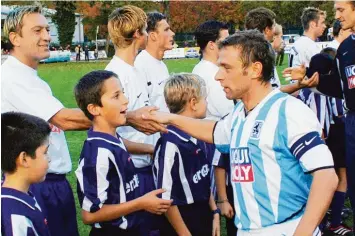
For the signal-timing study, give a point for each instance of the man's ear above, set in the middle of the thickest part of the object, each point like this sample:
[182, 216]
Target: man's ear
[22, 160]
[94, 110]
[14, 39]
[153, 36]
[256, 70]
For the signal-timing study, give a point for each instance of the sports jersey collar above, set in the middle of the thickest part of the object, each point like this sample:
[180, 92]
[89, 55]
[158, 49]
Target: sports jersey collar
[104, 136]
[150, 56]
[27, 199]
[264, 100]
[181, 134]
[18, 65]
[208, 62]
[122, 62]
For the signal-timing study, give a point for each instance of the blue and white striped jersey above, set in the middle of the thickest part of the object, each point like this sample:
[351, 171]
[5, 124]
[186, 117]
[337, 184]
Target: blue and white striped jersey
[272, 151]
[182, 166]
[106, 175]
[21, 215]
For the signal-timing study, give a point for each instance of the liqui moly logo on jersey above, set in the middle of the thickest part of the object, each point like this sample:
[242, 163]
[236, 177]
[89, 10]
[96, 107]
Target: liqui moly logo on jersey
[350, 75]
[241, 165]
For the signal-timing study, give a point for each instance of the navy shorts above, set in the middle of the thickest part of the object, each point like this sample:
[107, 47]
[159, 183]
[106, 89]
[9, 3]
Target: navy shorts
[336, 143]
[55, 196]
[198, 219]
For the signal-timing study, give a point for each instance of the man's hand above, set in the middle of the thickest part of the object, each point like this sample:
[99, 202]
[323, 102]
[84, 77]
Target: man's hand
[158, 117]
[309, 82]
[147, 126]
[226, 209]
[153, 204]
[296, 73]
[216, 226]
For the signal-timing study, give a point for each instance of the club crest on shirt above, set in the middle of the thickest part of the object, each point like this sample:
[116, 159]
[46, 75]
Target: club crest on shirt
[255, 133]
[241, 165]
[350, 75]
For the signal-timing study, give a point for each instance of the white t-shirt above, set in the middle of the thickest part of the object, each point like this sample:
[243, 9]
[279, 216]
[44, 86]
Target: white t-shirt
[333, 44]
[301, 53]
[133, 83]
[218, 104]
[23, 91]
[156, 73]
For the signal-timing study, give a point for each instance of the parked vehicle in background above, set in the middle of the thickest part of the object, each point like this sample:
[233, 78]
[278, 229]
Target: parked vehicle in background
[192, 53]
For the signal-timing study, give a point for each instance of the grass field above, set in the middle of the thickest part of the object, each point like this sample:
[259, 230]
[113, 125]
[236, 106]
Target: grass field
[62, 78]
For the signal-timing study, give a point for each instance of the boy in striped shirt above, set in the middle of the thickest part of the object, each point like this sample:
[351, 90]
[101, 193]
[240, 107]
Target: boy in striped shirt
[24, 161]
[182, 164]
[109, 189]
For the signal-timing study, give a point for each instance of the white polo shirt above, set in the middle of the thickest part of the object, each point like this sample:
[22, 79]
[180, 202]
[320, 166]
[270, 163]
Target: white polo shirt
[218, 104]
[23, 91]
[133, 83]
[156, 73]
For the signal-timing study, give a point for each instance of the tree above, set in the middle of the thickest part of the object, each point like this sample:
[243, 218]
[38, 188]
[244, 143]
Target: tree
[64, 18]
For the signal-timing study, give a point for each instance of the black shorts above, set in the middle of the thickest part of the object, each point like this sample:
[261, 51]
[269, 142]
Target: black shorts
[197, 217]
[336, 143]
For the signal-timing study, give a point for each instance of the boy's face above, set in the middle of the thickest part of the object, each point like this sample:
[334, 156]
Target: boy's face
[320, 26]
[201, 108]
[38, 166]
[277, 42]
[34, 39]
[114, 103]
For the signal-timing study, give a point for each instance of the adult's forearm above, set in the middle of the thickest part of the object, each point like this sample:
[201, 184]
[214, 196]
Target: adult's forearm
[322, 190]
[330, 85]
[200, 129]
[70, 119]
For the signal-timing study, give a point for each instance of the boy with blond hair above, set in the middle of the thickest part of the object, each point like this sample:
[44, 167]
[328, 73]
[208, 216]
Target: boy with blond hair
[109, 190]
[182, 163]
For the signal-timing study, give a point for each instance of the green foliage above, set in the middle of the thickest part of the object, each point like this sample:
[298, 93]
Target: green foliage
[64, 18]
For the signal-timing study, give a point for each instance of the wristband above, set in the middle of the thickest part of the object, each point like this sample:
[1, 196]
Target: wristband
[217, 211]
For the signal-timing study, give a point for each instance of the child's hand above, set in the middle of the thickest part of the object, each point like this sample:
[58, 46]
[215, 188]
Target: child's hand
[216, 230]
[226, 209]
[153, 204]
[296, 73]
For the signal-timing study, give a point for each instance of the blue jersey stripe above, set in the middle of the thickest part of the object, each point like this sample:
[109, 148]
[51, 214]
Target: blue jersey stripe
[260, 186]
[244, 218]
[288, 205]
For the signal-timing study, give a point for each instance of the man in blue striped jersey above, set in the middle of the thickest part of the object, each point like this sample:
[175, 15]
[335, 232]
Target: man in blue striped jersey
[282, 172]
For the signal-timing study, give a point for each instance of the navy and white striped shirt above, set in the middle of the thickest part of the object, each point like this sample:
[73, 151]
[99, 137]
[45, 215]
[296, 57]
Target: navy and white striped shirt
[106, 175]
[182, 166]
[21, 215]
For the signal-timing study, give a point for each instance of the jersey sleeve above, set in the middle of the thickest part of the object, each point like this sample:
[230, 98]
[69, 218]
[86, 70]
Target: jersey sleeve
[92, 175]
[32, 100]
[222, 134]
[304, 137]
[167, 169]
[330, 84]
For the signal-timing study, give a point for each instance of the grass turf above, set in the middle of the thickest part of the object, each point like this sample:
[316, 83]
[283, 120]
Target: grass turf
[62, 78]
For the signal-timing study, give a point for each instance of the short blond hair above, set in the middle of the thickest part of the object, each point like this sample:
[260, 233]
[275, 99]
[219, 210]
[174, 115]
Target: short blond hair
[14, 20]
[181, 88]
[123, 23]
[278, 29]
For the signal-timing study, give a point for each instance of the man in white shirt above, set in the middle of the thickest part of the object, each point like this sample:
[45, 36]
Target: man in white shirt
[150, 60]
[24, 91]
[208, 34]
[313, 22]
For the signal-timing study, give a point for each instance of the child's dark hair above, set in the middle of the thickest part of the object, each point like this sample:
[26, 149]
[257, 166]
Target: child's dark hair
[89, 89]
[20, 132]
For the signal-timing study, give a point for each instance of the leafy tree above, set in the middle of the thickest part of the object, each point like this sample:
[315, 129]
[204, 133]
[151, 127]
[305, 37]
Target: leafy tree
[64, 18]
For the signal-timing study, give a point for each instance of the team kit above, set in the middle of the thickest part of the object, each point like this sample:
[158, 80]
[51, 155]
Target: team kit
[171, 154]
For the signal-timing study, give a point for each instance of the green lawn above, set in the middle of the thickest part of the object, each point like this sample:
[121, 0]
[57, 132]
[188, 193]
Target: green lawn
[62, 78]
